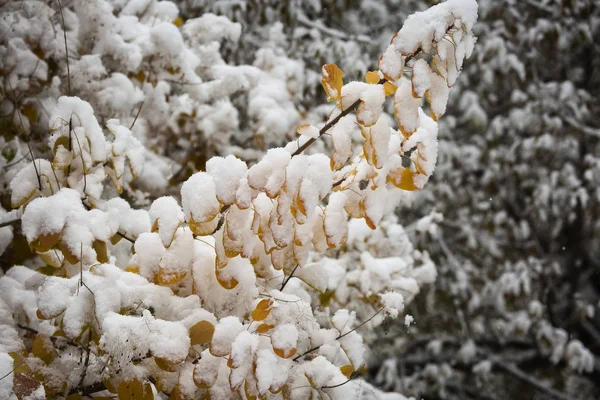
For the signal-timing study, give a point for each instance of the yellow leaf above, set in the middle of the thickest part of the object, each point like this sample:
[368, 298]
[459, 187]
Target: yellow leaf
[284, 353]
[389, 88]
[264, 328]
[165, 277]
[227, 283]
[262, 310]
[165, 364]
[201, 332]
[402, 178]
[250, 392]
[101, 251]
[347, 370]
[131, 390]
[372, 77]
[134, 269]
[61, 141]
[178, 22]
[51, 259]
[116, 238]
[332, 81]
[203, 228]
[43, 316]
[43, 349]
[45, 242]
[69, 256]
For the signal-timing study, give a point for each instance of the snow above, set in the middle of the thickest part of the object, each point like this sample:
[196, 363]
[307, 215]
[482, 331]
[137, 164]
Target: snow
[80, 114]
[269, 173]
[284, 337]
[421, 81]
[308, 130]
[393, 303]
[36, 221]
[406, 107]
[6, 233]
[579, 358]
[199, 198]
[227, 172]
[6, 383]
[225, 334]
[210, 27]
[422, 28]
[342, 141]
[391, 63]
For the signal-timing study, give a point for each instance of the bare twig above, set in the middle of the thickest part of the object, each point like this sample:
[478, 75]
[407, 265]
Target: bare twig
[66, 48]
[136, 115]
[288, 278]
[340, 336]
[518, 373]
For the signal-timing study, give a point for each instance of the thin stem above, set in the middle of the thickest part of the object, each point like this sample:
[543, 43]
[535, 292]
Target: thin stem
[288, 278]
[66, 48]
[136, 116]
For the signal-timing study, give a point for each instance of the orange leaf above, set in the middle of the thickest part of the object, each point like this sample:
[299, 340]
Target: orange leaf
[332, 81]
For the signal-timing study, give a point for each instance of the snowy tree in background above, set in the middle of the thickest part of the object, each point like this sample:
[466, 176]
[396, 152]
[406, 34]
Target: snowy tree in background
[514, 205]
[253, 277]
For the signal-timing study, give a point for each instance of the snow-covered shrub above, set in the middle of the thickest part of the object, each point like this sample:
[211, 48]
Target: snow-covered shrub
[256, 280]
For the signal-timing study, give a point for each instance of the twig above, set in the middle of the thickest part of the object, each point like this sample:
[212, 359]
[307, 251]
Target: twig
[125, 237]
[340, 336]
[83, 166]
[37, 173]
[511, 369]
[136, 116]
[87, 360]
[288, 278]
[66, 48]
